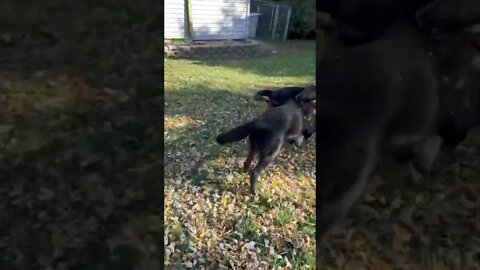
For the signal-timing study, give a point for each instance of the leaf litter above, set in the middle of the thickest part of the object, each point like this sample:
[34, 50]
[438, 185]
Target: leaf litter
[211, 220]
[80, 136]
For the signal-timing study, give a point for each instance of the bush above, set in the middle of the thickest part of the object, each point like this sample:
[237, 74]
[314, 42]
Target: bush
[302, 19]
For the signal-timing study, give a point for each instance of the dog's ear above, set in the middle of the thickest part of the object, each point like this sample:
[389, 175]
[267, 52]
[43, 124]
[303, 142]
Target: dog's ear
[300, 97]
[308, 94]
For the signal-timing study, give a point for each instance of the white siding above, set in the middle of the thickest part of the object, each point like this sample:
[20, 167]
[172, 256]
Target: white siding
[174, 19]
[219, 19]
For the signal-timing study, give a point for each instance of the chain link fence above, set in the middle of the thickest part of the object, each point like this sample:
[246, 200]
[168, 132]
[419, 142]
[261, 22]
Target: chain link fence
[273, 21]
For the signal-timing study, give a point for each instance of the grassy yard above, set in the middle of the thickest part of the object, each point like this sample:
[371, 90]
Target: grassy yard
[210, 218]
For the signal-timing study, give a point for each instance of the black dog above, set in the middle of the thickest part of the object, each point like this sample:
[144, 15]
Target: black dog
[279, 97]
[395, 102]
[267, 134]
[376, 100]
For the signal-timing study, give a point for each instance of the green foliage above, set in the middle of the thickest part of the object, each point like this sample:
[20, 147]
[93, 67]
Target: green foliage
[302, 19]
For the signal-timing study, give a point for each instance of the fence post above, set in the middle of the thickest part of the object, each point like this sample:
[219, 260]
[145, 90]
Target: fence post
[275, 21]
[287, 23]
[271, 18]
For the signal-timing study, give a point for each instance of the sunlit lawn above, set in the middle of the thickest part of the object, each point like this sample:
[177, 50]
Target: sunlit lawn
[211, 220]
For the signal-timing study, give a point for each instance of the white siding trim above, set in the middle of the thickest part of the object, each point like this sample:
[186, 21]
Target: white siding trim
[220, 19]
[174, 19]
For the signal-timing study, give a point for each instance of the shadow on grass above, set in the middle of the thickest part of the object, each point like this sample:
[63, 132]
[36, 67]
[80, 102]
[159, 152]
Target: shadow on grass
[191, 152]
[293, 58]
[208, 113]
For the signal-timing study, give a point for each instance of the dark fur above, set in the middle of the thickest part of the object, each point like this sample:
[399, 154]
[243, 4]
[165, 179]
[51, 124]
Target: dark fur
[365, 117]
[267, 134]
[358, 22]
[374, 113]
[275, 98]
[449, 16]
[440, 21]
[406, 110]
[459, 81]
[278, 97]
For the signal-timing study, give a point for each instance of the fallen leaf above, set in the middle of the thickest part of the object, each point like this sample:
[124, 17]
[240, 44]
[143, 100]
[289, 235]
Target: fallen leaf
[250, 245]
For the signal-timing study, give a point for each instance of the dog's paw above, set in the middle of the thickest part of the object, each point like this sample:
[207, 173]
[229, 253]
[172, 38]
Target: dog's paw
[298, 141]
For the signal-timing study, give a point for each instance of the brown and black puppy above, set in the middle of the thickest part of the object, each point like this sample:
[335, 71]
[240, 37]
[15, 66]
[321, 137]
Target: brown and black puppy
[267, 134]
[458, 79]
[406, 110]
[374, 100]
[278, 97]
[393, 96]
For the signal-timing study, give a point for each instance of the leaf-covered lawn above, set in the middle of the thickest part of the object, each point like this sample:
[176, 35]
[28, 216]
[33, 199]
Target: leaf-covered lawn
[211, 220]
[431, 223]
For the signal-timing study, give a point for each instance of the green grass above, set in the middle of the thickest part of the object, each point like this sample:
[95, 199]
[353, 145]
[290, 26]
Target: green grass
[284, 217]
[205, 188]
[184, 40]
[247, 228]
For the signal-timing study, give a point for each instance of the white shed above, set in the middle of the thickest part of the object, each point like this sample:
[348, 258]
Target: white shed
[210, 19]
[175, 23]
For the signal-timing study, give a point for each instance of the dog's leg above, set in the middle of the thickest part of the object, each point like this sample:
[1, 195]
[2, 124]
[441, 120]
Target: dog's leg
[298, 140]
[295, 139]
[333, 212]
[414, 174]
[343, 179]
[265, 159]
[263, 162]
[251, 155]
[425, 154]
[307, 133]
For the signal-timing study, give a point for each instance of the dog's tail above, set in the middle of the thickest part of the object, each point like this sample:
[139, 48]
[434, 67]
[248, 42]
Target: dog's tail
[236, 134]
[263, 95]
